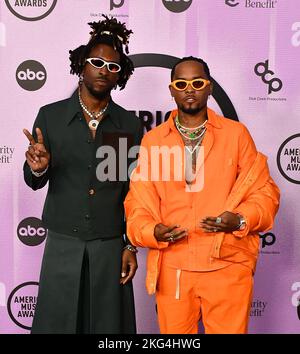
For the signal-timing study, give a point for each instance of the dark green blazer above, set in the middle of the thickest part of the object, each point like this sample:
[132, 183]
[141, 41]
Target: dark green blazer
[78, 203]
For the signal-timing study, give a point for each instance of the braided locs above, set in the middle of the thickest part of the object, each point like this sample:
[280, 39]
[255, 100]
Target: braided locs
[109, 31]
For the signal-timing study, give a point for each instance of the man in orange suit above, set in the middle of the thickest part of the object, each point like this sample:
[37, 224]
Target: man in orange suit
[201, 226]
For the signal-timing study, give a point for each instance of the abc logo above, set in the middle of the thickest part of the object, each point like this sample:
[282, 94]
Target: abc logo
[274, 84]
[231, 3]
[31, 75]
[31, 231]
[268, 239]
[177, 5]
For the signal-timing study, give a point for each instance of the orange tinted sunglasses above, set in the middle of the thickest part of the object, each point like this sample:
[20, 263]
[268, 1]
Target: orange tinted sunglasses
[197, 84]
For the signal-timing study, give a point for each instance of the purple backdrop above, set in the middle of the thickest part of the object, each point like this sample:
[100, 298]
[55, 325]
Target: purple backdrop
[253, 50]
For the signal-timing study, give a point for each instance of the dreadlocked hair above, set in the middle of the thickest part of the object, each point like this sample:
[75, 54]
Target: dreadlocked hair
[113, 33]
[191, 58]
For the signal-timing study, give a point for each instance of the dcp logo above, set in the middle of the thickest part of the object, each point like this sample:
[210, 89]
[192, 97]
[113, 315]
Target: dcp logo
[31, 10]
[231, 3]
[31, 231]
[177, 5]
[268, 239]
[31, 75]
[274, 84]
[116, 4]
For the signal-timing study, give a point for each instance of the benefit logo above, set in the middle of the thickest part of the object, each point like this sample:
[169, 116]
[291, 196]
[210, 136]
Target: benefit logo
[232, 3]
[253, 4]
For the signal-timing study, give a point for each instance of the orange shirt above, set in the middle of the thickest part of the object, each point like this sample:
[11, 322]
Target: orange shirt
[228, 151]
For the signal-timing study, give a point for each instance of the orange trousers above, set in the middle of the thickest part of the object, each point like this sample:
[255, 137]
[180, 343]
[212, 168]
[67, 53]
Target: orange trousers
[220, 298]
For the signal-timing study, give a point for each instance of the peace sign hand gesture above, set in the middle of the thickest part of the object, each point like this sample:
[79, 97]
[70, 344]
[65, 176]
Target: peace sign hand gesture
[37, 156]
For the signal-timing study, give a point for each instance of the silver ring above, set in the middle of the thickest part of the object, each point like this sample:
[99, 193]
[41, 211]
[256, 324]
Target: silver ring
[218, 220]
[171, 238]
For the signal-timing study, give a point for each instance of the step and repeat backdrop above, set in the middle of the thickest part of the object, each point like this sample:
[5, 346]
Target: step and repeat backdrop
[253, 50]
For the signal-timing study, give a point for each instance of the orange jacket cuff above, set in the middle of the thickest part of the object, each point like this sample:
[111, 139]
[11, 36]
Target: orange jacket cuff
[250, 213]
[149, 239]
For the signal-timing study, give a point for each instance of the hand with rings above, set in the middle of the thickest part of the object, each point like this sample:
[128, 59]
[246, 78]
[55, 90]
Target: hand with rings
[226, 222]
[173, 233]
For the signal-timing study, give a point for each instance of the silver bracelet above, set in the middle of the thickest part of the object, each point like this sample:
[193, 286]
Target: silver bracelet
[130, 248]
[39, 174]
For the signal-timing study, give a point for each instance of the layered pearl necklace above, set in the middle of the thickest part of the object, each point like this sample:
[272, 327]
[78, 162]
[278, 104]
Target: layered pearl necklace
[191, 134]
[93, 123]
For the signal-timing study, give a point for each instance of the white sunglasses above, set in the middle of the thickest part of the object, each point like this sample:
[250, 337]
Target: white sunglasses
[100, 63]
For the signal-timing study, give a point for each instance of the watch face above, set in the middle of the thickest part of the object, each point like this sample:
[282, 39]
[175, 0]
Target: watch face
[242, 223]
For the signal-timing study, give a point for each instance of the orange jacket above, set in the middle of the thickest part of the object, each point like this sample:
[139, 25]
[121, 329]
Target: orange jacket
[247, 189]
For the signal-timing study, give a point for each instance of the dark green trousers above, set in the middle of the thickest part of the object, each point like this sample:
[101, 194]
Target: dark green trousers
[79, 290]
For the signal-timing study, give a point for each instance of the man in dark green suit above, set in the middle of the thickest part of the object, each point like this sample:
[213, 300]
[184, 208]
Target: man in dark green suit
[88, 263]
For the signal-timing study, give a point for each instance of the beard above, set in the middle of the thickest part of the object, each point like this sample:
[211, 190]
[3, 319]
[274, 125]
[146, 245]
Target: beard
[99, 94]
[191, 110]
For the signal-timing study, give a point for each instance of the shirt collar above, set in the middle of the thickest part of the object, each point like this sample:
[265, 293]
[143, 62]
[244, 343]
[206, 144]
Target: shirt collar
[74, 108]
[213, 120]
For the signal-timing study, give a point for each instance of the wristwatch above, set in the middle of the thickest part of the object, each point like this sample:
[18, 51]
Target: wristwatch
[242, 223]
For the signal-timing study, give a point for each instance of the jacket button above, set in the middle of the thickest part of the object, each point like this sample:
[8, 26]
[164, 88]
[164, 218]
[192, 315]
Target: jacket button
[87, 217]
[91, 191]
[89, 141]
[75, 230]
[89, 167]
